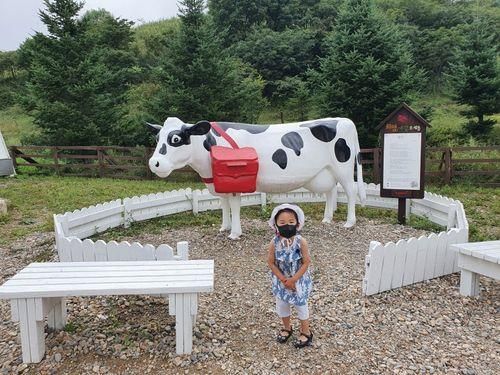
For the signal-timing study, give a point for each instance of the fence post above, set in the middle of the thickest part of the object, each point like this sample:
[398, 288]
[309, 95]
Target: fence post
[149, 175]
[55, 155]
[451, 164]
[194, 200]
[376, 165]
[13, 156]
[447, 166]
[452, 214]
[100, 160]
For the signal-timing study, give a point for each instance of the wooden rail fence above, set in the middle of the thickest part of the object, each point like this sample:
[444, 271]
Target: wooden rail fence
[442, 163]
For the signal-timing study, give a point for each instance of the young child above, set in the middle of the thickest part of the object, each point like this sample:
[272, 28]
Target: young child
[289, 261]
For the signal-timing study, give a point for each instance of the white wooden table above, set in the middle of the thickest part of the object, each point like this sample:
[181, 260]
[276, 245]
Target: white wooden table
[475, 259]
[38, 291]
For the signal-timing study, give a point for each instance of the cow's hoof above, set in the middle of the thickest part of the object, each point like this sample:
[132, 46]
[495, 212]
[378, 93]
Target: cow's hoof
[326, 220]
[234, 236]
[349, 224]
[224, 229]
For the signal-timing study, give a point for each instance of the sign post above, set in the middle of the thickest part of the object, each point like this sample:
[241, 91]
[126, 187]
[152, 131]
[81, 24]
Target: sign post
[402, 136]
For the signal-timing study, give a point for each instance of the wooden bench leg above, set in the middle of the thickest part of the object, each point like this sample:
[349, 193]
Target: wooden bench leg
[194, 307]
[32, 330]
[469, 283]
[184, 304]
[56, 318]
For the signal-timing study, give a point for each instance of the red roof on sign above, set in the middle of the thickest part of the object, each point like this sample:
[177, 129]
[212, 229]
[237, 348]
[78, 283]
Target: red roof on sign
[404, 115]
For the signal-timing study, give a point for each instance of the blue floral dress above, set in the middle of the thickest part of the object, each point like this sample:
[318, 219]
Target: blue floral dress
[288, 258]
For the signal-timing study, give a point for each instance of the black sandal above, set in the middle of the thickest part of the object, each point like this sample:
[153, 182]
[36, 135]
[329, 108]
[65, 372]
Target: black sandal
[300, 344]
[284, 338]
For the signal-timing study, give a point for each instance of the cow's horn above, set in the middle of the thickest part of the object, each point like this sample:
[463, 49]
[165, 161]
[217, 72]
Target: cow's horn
[155, 129]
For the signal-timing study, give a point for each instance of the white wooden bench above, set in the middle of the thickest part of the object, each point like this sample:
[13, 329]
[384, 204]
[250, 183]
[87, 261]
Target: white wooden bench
[38, 291]
[475, 259]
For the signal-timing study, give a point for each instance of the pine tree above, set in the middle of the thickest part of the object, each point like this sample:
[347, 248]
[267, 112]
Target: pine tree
[476, 79]
[78, 75]
[199, 81]
[368, 70]
[234, 20]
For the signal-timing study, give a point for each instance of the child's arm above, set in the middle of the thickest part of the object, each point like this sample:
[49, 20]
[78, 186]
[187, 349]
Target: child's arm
[272, 265]
[306, 260]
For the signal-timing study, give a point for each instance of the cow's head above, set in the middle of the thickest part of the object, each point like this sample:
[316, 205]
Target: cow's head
[174, 149]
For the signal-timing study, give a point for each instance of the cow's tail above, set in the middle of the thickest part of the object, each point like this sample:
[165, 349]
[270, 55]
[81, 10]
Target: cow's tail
[359, 171]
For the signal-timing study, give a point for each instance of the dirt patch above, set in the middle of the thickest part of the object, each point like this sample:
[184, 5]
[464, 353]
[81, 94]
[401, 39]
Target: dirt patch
[424, 328]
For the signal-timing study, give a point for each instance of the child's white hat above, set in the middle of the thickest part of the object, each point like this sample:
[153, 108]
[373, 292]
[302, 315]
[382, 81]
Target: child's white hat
[294, 208]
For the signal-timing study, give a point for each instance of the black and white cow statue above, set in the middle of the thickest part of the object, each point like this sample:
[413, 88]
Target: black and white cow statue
[312, 154]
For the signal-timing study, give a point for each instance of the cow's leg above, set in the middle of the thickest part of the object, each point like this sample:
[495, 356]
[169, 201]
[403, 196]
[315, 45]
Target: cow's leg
[226, 214]
[350, 192]
[235, 204]
[330, 205]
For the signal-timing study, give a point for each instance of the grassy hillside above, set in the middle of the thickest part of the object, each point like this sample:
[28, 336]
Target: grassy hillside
[447, 122]
[15, 124]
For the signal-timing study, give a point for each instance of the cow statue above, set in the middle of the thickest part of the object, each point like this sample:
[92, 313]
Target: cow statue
[312, 154]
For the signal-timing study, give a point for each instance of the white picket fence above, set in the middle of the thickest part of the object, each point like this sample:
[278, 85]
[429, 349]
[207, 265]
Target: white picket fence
[388, 266]
[406, 262]
[73, 249]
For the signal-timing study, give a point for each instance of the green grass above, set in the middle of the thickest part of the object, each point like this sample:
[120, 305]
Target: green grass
[445, 114]
[33, 201]
[482, 208]
[15, 124]
[447, 122]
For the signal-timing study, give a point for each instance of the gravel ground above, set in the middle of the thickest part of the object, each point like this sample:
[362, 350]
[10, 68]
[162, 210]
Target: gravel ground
[425, 328]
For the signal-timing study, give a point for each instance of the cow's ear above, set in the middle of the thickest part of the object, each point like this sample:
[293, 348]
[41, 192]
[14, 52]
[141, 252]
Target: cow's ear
[155, 129]
[200, 128]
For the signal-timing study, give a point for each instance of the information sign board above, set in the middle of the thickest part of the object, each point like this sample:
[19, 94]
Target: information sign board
[403, 154]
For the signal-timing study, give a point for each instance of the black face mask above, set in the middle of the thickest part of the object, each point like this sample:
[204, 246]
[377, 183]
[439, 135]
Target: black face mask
[287, 231]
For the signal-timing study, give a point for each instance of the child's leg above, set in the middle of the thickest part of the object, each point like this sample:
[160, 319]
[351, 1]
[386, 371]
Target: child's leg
[283, 311]
[303, 315]
[304, 327]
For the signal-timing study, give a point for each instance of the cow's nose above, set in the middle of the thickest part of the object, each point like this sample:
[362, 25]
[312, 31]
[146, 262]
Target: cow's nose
[157, 164]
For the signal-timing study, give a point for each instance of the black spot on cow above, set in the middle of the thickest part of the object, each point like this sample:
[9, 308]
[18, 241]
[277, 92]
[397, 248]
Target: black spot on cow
[279, 157]
[359, 157]
[163, 149]
[325, 131]
[294, 141]
[252, 129]
[342, 150]
[209, 141]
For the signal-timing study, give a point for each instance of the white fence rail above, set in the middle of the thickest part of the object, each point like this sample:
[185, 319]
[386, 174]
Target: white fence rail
[72, 249]
[406, 262]
[388, 266]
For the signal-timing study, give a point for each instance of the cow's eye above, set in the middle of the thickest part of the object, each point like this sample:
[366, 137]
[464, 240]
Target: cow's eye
[176, 139]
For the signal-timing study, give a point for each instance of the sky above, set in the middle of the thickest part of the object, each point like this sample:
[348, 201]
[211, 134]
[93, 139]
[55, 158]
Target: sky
[19, 18]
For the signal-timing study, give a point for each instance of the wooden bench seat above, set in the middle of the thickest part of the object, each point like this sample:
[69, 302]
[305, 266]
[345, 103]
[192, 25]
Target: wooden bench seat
[475, 259]
[38, 291]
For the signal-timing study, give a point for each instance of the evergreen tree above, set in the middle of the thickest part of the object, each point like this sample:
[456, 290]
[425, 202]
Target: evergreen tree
[368, 70]
[279, 55]
[476, 79]
[234, 20]
[11, 80]
[199, 81]
[78, 75]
